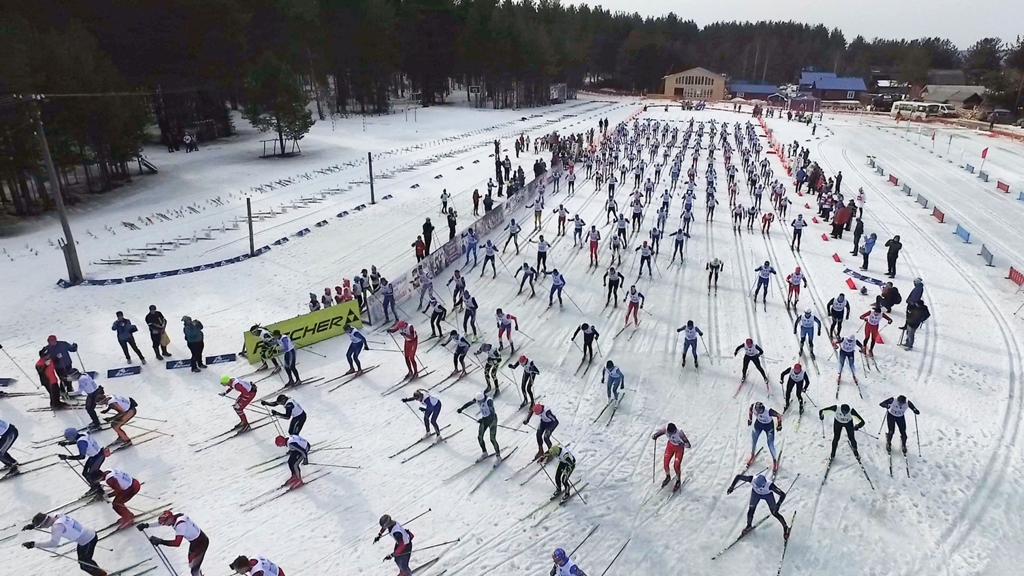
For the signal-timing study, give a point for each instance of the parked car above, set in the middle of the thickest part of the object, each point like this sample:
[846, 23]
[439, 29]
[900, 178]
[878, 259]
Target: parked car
[999, 116]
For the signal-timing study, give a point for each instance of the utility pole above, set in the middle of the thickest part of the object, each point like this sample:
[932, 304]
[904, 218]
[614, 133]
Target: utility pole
[252, 240]
[70, 252]
[369, 160]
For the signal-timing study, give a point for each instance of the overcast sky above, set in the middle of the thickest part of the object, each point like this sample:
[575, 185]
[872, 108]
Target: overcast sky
[962, 22]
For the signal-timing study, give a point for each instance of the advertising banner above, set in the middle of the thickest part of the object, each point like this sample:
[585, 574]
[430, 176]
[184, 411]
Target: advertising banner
[308, 328]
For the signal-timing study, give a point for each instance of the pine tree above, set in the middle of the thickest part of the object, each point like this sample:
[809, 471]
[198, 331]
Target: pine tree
[275, 100]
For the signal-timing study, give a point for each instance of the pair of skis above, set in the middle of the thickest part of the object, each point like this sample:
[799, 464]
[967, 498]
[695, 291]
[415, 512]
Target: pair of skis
[279, 491]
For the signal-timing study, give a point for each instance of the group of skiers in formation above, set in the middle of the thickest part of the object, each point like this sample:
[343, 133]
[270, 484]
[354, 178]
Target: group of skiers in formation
[643, 150]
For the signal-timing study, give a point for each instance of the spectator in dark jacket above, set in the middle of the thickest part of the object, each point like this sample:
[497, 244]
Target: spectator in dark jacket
[45, 367]
[858, 231]
[889, 297]
[894, 246]
[158, 332]
[126, 336]
[194, 341]
[60, 352]
[428, 235]
[840, 220]
[917, 313]
[916, 293]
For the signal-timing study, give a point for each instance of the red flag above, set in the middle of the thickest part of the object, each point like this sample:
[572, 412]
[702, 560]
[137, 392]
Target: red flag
[984, 153]
[933, 136]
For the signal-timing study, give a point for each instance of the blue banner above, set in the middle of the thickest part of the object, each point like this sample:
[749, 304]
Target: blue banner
[221, 359]
[175, 364]
[154, 275]
[863, 278]
[126, 371]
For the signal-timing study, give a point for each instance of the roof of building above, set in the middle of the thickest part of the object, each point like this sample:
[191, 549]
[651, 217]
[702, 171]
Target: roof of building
[951, 93]
[753, 88]
[947, 77]
[808, 78]
[848, 84]
[697, 70]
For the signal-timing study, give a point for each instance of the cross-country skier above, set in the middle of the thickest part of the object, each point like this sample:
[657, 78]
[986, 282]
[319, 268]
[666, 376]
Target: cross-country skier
[557, 284]
[8, 434]
[122, 487]
[615, 380]
[267, 347]
[844, 416]
[459, 355]
[872, 318]
[806, 322]
[764, 273]
[357, 343]
[690, 334]
[761, 489]
[489, 251]
[87, 385]
[794, 280]
[894, 416]
[469, 316]
[798, 229]
[645, 257]
[677, 444]
[460, 287]
[542, 253]
[437, 314]
[431, 409]
[594, 238]
[293, 412]
[612, 279]
[836, 307]
[679, 244]
[513, 236]
[491, 366]
[566, 465]
[846, 347]
[577, 230]
[412, 342]
[713, 267]
[298, 454]
[765, 420]
[256, 566]
[530, 372]
[548, 423]
[488, 421]
[90, 451]
[64, 526]
[246, 392]
[751, 353]
[504, 322]
[529, 273]
[589, 335]
[799, 379]
[184, 529]
[287, 348]
[636, 302]
[564, 566]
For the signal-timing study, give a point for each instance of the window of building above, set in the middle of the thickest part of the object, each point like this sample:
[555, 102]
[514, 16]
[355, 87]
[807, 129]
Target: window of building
[851, 95]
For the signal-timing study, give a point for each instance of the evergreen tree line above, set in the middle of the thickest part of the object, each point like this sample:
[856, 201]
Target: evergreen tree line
[178, 65]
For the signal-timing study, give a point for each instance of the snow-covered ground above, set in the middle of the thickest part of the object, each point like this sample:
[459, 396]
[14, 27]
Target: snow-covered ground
[958, 512]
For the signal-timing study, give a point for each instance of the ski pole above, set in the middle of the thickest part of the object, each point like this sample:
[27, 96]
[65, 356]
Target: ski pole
[419, 516]
[918, 434]
[80, 562]
[706, 349]
[573, 302]
[609, 567]
[591, 533]
[18, 366]
[334, 465]
[79, 474]
[80, 361]
[654, 462]
[163, 557]
[312, 352]
[429, 547]
[512, 429]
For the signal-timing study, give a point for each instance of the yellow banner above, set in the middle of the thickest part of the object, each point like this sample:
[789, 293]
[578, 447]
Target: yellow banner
[308, 328]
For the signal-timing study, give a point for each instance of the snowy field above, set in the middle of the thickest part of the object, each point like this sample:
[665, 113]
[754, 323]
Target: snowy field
[959, 511]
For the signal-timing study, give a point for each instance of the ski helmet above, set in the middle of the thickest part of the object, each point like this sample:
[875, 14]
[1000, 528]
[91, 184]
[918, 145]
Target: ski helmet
[280, 441]
[797, 367]
[538, 408]
[758, 407]
[385, 520]
[479, 397]
[558, 555]
[845, 408]
[70, 434]
[585, 326]
[760, 481]
[166, 518]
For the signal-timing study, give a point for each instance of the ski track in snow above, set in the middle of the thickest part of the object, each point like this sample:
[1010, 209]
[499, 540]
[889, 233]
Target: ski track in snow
[956, 514]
